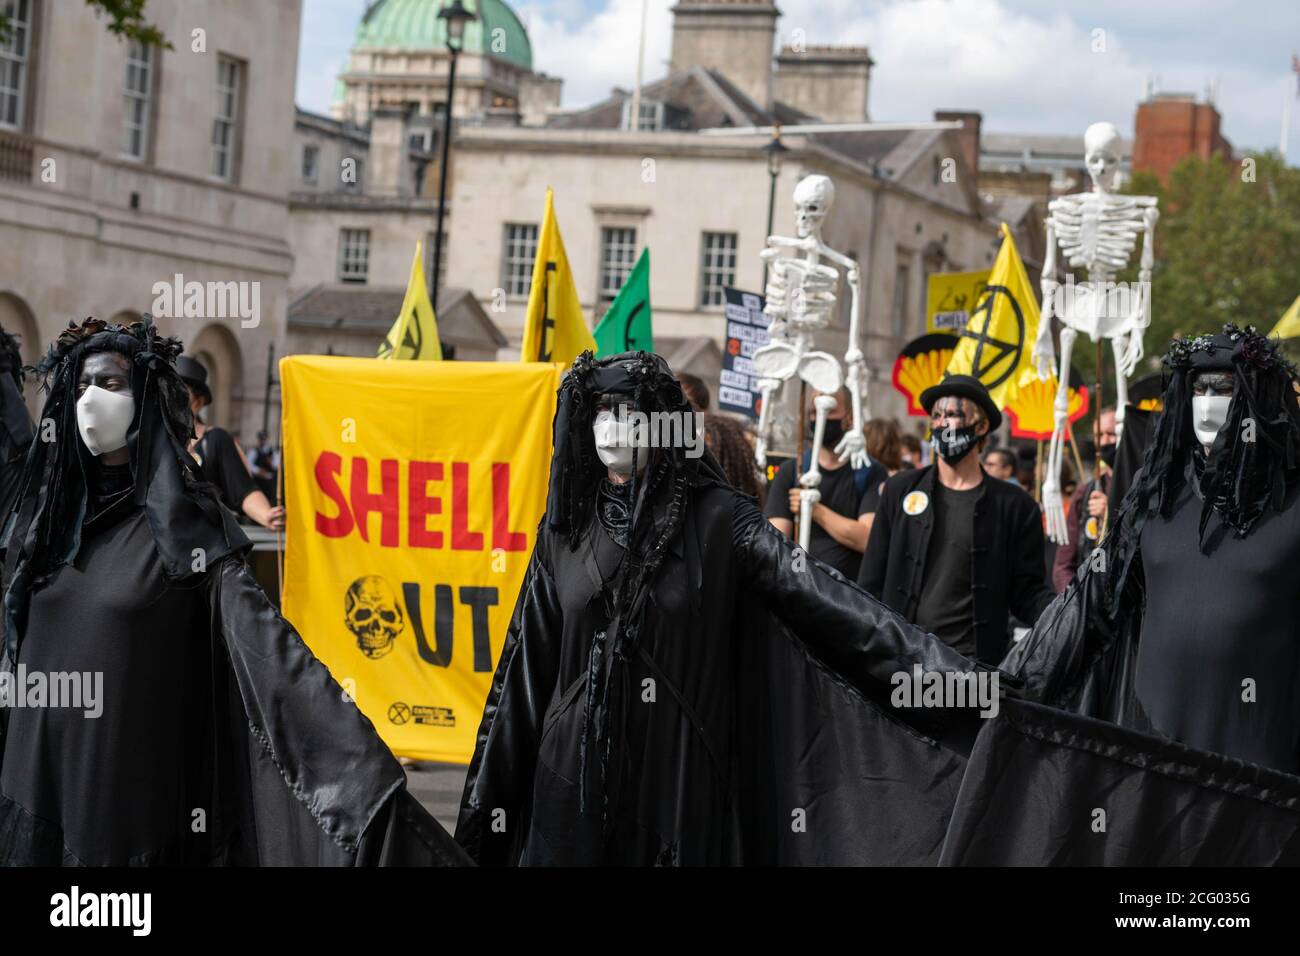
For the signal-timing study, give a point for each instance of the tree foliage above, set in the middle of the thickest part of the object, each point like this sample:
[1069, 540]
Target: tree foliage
[125, 19]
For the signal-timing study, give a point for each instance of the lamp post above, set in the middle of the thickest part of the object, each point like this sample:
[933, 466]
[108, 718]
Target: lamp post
[775, 152]
[456, 16]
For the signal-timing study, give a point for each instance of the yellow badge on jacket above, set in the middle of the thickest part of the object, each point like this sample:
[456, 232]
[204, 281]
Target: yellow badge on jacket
[915, 503]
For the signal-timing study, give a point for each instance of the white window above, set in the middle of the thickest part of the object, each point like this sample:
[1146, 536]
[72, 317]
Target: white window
[136, 99]
[310, 162]
[717, 266]
[354, 255]
[902, 279]
[652, 115]
[517, 263]
[617, 256]
[13, 62]
[225, 125]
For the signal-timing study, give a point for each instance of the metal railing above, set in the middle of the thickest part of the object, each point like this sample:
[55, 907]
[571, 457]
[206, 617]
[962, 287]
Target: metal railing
[15, 158]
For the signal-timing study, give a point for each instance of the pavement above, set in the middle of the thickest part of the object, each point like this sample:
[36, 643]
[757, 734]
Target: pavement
[438, 787]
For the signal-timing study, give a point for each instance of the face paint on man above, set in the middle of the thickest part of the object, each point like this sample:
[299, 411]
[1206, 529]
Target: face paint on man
[105, 405]
[1211, 398]
[954, 431]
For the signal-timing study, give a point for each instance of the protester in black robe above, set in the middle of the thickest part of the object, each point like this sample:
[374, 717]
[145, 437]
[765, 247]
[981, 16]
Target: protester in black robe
[15, 422]
[680, 686]
[219, 737]
[1180, 628]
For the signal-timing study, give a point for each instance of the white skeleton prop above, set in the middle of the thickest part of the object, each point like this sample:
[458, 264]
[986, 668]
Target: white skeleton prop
[1097, 230]
[800, 301]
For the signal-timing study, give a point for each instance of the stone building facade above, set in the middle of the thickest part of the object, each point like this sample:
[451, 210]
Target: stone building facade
[123, 168]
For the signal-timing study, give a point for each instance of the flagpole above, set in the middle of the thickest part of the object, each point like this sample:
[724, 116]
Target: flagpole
[635, 118]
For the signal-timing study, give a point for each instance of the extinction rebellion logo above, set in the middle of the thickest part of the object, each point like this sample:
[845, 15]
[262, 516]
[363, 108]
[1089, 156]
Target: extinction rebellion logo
[400, 713]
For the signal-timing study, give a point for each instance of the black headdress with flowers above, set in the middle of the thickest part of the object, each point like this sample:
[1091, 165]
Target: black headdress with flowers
[42, 531]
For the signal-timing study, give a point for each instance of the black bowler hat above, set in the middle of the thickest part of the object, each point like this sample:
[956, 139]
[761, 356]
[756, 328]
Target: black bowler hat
[963, 386]
[195, 376]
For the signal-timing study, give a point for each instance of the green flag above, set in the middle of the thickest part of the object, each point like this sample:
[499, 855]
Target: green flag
[626, 326]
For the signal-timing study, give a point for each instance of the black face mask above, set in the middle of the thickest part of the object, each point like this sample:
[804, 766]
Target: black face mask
[1108, 455]
[952, 445]
[832, 434]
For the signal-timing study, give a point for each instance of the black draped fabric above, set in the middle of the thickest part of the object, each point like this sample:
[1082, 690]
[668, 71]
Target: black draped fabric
[222, 740]
[744, 716]
[769, 738]
[16, 428]
[220, 709]
[1048, 788]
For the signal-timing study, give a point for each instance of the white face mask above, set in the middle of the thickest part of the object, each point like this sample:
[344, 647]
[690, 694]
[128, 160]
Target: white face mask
[1209, 414]
[614, 444]
[103, 419]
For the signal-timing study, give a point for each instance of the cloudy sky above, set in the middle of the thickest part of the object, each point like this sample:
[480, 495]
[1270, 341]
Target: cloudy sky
[1027, 65]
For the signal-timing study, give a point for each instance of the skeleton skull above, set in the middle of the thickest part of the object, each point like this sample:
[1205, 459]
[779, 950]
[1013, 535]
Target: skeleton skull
[373, 615]
[812, 200]
[1101, 154]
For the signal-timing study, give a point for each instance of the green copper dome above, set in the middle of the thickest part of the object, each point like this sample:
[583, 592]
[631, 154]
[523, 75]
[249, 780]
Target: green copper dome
[414, 25]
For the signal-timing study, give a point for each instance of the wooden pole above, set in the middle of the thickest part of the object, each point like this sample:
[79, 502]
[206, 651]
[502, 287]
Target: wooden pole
[1096, 421]
[1038, 472]
[798, 455]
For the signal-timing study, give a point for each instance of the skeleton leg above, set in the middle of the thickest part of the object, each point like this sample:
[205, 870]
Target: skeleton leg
[808, 482]
[767, 388]
[1053, 505]
[1120, 345]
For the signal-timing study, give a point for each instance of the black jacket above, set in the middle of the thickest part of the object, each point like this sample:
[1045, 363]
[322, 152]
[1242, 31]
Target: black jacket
[1007, 571]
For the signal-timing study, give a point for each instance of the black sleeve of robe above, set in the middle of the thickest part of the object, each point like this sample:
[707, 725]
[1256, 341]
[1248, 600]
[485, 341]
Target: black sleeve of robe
[496, 805]
[304, 777]
[852, 632]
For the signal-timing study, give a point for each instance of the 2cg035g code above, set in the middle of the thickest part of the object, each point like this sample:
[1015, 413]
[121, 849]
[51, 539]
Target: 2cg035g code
[1173, 896]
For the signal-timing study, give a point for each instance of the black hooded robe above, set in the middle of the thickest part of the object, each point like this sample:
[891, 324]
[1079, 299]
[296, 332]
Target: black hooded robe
[1156, 634]
[758, 727]
[221, 740]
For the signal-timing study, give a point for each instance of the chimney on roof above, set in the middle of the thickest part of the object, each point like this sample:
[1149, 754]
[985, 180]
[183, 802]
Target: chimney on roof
[828, 82]
[968, 137]
[734, 37]
[389, 157]
[1170, 126]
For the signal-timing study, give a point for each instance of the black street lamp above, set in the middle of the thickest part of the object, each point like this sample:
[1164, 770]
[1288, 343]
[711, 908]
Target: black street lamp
[775, 152]
[456, 16]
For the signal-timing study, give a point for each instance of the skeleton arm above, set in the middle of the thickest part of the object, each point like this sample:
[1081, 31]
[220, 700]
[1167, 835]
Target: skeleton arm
[1044, 353]
[853, 445]
[1142, 321]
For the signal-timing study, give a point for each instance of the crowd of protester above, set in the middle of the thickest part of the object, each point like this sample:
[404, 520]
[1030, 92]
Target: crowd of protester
[949, 534]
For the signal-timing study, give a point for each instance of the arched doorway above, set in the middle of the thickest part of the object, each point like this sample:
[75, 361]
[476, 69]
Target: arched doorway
[17, 318]
[215, 347]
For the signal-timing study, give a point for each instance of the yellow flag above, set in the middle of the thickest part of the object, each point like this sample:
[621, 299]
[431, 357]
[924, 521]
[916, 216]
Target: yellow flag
[415, 333]
[555, 330]
[996, 344]
[1288, 327]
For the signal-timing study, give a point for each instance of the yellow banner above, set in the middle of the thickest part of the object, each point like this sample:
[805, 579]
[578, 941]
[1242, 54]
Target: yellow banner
[996, 345]
[950, 299]
[413, 494]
